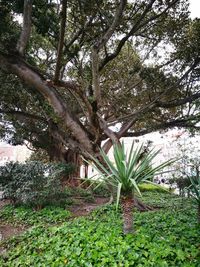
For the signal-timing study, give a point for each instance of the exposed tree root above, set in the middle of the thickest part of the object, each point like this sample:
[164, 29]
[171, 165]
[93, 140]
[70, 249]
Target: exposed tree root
[139, 205]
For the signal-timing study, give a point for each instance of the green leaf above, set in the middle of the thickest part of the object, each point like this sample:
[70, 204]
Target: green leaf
[136, 186]
[128, 170]
[118, 194]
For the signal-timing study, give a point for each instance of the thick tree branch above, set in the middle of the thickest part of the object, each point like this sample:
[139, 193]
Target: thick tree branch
[110, 134]
[95, 66]
[179, 102]
[26, 30]
[117, 17]
[20, 68]
[184, 123]
[76, 89]
[124, 128]
[151, 106]
[77, 35]
[23, 114]
[138, 25]
[61, 40]
[95, 77]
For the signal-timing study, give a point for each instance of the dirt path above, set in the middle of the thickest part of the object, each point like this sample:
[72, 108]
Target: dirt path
[80, 209]
[8, 230]
[84, 209]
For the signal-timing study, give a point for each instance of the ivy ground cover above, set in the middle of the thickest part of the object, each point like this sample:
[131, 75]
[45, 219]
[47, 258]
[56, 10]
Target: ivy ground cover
[165, 237]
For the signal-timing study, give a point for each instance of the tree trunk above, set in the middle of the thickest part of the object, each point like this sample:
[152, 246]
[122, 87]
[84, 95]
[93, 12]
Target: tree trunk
[59, 154]
[56, 153]
[73, 158]
[127, 213]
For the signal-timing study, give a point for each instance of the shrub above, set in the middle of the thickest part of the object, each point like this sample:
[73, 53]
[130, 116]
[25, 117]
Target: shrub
[65, 170]
[32, 183]
[182, 183]
[97, 188]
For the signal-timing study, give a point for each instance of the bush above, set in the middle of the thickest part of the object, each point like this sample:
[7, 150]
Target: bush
[182, 183]
[32, 183]
[100, 190]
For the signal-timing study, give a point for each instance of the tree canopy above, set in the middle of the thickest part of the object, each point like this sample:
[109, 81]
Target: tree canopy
[73, 70]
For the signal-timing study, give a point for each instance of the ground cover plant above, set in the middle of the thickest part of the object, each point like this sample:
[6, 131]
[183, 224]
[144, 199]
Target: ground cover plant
[195, 188]
[28, 216]
[164, 237]
[125, 173]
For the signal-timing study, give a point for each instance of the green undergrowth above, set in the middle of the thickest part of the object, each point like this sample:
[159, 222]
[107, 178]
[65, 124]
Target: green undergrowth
[28, 216]
[167, 201]
[153, 188]
[165, 237]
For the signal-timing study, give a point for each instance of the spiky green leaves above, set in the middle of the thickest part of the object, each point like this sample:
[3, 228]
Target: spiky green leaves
[128, 170]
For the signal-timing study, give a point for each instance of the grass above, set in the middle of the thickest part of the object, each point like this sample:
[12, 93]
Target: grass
[167, 237]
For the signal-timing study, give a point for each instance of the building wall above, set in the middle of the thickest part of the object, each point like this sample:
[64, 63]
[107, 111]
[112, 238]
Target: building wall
[7, 154]
[167, 143]
[13, 153]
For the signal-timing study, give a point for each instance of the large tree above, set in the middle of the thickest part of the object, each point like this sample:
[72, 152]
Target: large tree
[72, 69]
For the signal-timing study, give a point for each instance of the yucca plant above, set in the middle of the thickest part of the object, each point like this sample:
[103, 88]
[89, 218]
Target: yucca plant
[195, 188]
[126, 172]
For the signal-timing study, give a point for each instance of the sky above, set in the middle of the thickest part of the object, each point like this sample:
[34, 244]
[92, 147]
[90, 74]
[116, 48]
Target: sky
[195, 8]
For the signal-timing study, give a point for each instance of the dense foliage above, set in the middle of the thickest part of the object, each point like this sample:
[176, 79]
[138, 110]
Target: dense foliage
[33, 183]
[27, 216]
[181, 183]
[75, 68]
[168, 237]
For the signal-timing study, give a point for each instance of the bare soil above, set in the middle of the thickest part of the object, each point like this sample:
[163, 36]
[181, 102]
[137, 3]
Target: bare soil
[81, 208]
[8, 230]
[84, 209]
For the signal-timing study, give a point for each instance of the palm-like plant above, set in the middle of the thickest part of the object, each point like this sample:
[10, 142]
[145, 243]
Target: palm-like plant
[126, 173]
[195, 188]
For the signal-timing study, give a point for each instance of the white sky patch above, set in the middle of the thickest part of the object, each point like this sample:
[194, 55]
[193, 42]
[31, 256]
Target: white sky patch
[195, 8]
[18, 18]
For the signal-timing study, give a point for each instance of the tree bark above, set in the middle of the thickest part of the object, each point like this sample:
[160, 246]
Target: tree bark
[61, 41]
[58, 153]
[32, 78]
[26, 30]
[73, 158]
[127, 202]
